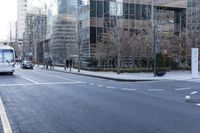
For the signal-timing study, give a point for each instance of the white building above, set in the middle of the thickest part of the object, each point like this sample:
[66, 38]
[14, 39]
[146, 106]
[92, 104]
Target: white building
[22, 6]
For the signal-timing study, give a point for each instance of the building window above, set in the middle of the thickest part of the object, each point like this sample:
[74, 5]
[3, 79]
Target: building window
[146, 12]
[106, 9]
[99, 8]
[125, 10]
[93, 8]
[132, 11]
[93, 32]
[116, 8]
[138, 12]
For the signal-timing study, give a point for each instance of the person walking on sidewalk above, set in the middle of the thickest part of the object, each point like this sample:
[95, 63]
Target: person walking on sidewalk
[70, 64]
[50, 63]
[66, 64]
[47, 63]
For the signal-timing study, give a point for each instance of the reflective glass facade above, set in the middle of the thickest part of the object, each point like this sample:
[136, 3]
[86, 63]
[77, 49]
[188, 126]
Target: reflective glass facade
[61, 29]
[193, 22]
[97, 16]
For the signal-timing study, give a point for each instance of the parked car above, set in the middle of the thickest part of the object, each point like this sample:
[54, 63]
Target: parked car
[26, 65]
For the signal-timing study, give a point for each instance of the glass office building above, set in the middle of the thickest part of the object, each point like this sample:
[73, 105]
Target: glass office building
[96, 16]
[193, 22]
[61, 29]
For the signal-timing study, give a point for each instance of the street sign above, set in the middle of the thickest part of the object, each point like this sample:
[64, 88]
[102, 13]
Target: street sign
[195, 63]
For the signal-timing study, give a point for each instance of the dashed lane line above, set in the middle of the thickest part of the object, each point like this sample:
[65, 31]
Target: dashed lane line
[182, 89]
[128, 89]
[101, 86]
[110, 87]
[4, 119]
[194, 92]
[198, 104]
[156, 90]
[92, 84]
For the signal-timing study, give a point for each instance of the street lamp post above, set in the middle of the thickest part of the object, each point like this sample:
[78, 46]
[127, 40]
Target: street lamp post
[79, 57]
[117, 12]
[153, 38]
[154, 51]
[43, 45]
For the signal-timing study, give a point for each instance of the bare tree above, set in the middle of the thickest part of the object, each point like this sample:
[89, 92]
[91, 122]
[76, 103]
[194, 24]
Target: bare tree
[181, 50]
[175, 47]
[132, 47]
[106, 49]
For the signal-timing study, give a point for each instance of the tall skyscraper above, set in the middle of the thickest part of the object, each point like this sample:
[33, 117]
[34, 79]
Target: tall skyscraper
[22, 6]
[61, 29]
[66, 6]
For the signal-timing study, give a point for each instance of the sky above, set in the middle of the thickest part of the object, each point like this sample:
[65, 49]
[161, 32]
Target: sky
[8, 14]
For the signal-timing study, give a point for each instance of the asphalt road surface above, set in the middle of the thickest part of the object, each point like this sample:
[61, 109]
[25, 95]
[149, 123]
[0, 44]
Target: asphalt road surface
[42, 101]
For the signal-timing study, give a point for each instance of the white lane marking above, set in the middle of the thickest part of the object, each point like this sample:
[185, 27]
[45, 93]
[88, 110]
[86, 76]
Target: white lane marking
[47, 83]
[110, 87]
[187, 97]
[156, 90]
[100, 86]
[4, 119]
[92, 84]
[35, 82]
[6, 85]
[128, 89]
[194, 92]
[198, 104]
[182, 89]
[158, 81]
[58, 77]
[60, 83]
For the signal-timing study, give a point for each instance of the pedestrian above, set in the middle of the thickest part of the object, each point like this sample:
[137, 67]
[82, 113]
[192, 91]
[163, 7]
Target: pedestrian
[70, 64]
[47, 64]
[67, 63]
[50, 63]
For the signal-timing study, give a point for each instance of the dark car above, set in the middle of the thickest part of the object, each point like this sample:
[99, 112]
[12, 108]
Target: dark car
[26, 65]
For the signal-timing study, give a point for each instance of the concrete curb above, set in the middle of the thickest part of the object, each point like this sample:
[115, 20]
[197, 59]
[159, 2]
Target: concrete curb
[102, 77]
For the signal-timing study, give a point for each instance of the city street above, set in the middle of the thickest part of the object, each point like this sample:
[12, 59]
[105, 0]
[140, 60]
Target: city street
[43, 101]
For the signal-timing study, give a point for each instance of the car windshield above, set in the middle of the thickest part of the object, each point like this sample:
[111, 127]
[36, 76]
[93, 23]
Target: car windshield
[27, 62]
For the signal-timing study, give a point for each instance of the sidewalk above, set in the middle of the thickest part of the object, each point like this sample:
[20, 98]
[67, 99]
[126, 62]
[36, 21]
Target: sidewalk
[133, 77]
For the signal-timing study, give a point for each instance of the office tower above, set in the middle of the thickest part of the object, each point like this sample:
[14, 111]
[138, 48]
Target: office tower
[22, 6]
